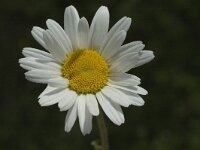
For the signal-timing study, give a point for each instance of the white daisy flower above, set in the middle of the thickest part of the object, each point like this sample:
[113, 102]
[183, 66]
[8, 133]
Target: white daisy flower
[85, 67]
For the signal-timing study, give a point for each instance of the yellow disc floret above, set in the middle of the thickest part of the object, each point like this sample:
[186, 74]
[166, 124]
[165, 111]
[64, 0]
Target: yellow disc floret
[86, 70]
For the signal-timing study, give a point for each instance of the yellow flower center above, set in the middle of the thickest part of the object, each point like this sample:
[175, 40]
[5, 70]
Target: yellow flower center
[86, 70]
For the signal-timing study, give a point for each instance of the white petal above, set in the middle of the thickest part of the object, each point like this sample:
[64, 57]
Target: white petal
[25, 67]
[134, 89]
[52, 97]
[36, 53]
[71, 117]
[60, 35]
[43, 74]
[37, 34]
[88, 122]
[129, 51]
[35, 79]
[71, 19]
[124, 79]
[36, 64]
[54, 46]
[54, 91]
[99, 28]
[141, 90]
[47, 90]
[81, 111]
[58, 82]
[29, 63]
[114, 44]
[68, 100]
[135, 98]
[52, 63]
[119, 111]
[109, 109]
[122, 24]
[145, 57]
[130, 45]
[92, 104]
[124, 63]
[24, 63]
[83, 33]
[116, 96]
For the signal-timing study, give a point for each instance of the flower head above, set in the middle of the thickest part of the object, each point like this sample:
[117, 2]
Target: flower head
[85, 67]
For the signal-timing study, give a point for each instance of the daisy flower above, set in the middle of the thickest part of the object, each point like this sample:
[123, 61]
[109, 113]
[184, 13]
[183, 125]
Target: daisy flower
[85, 67]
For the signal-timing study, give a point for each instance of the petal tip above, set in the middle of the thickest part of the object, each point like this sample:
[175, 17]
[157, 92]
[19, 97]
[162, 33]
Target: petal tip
[69, 8]
[103, 7]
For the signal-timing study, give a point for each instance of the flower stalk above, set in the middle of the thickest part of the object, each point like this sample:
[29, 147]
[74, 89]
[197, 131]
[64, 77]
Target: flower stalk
[103, 131]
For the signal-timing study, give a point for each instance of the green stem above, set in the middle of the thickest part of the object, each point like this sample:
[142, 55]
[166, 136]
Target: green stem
[103, 131]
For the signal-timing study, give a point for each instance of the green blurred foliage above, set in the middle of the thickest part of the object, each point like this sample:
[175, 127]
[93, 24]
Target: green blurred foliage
[170, 119]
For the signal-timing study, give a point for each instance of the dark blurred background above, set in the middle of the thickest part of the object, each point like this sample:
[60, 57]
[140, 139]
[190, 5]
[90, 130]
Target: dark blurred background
[170, 118]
